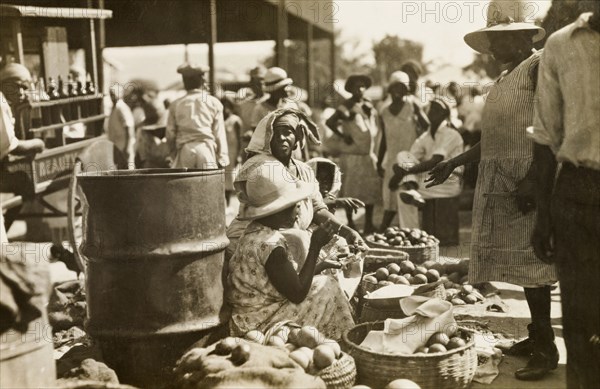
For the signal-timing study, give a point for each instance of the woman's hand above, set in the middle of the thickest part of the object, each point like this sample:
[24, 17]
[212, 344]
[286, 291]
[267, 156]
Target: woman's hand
[327, 264]
[440, 173]
[347, 139]
[349, 203]
[525, 195]
[322, 235]
[380, 170]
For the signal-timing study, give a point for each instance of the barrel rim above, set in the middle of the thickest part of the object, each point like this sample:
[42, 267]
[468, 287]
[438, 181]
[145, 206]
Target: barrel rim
[146, 173]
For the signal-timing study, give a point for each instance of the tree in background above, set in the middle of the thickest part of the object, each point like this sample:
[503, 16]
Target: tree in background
[390, 53]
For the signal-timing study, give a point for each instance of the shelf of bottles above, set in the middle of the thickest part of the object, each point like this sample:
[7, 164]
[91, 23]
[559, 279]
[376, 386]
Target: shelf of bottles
[63, 112]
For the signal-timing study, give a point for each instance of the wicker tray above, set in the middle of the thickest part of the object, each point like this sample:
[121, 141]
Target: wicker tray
[377, 257]
[341, 374]
[416, 255]
[451, 370]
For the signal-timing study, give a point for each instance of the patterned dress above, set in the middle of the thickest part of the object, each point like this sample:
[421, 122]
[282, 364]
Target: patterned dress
[360, 179]
[256, 304]
[501, 249]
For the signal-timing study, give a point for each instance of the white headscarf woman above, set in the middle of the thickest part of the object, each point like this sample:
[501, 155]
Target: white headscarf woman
[274, 140]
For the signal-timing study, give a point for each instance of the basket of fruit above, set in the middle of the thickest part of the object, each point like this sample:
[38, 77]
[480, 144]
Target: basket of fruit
[376, 258]
[310, 349]
[418, 244]
[444, 363]
[403, 273]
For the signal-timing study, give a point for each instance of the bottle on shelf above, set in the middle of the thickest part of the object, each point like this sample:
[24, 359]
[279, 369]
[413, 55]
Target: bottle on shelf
[91, 88]
[94, 105]
[52, 89]
[73, 93]
[44, 97]
[82, 91]
[64, 106]
[54, 95]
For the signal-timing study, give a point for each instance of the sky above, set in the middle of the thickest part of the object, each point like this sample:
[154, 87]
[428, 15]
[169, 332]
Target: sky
[439, 25]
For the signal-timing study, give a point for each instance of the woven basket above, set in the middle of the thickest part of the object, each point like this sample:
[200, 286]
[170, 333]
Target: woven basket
[370, 314]
[377, 258]
[341, 374]
[416, 255]
[366, 286]
[451, 370]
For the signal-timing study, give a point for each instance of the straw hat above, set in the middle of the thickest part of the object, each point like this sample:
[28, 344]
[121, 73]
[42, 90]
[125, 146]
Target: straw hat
[191, 69]
[503, 15]
[276, 78]
[354, 78]
[399, 77]
[15, 71]
[271, 188]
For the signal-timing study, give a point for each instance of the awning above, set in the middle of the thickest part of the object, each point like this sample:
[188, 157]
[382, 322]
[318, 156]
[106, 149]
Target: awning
[30, 11]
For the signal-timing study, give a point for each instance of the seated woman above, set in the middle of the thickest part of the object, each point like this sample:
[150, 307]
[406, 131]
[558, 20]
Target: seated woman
[263, 287]
[441, 142]
[276, 137]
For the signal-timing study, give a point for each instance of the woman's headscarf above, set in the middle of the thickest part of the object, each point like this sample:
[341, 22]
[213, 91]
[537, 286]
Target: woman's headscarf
[260, 143]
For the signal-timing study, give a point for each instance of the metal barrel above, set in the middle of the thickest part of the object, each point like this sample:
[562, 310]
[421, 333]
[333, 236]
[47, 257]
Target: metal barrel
[154, 240]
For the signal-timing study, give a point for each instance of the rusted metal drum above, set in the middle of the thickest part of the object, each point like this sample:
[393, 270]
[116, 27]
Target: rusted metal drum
[154, 240]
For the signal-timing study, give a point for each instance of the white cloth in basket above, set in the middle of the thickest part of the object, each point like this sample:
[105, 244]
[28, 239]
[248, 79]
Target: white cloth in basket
[403, 336]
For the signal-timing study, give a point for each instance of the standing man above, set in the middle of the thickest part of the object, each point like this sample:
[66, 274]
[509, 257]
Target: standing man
[246, 106]
[121, 126]
[195, 128]
[567, 130]
[14, 82]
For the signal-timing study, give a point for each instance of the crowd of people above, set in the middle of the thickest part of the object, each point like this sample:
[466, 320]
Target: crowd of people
[533, 224]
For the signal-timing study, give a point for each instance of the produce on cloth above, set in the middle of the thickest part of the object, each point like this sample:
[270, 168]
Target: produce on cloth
[247, 364]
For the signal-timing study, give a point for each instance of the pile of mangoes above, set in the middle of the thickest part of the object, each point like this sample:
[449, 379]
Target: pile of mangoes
[441, 342]
[307, 346]
[453, 275]
[403, 237]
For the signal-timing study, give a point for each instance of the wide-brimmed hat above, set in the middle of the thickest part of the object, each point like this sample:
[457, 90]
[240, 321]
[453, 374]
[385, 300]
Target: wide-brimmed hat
[503, 16]
[271, 188]
[355, 78]
[192, 69]
[15, 71]
[276, 78]
[399, 77]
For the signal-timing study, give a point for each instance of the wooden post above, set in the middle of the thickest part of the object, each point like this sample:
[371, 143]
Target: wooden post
[282, 34]
[310, 73]
[212, 39]
[18, 40]
[101, 25]
[332, 59]
[91, 57]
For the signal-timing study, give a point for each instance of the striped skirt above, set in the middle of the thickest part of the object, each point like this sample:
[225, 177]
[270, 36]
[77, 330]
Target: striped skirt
[500, 247]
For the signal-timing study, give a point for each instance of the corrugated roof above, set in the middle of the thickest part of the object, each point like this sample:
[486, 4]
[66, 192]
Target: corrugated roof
[30, 11]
